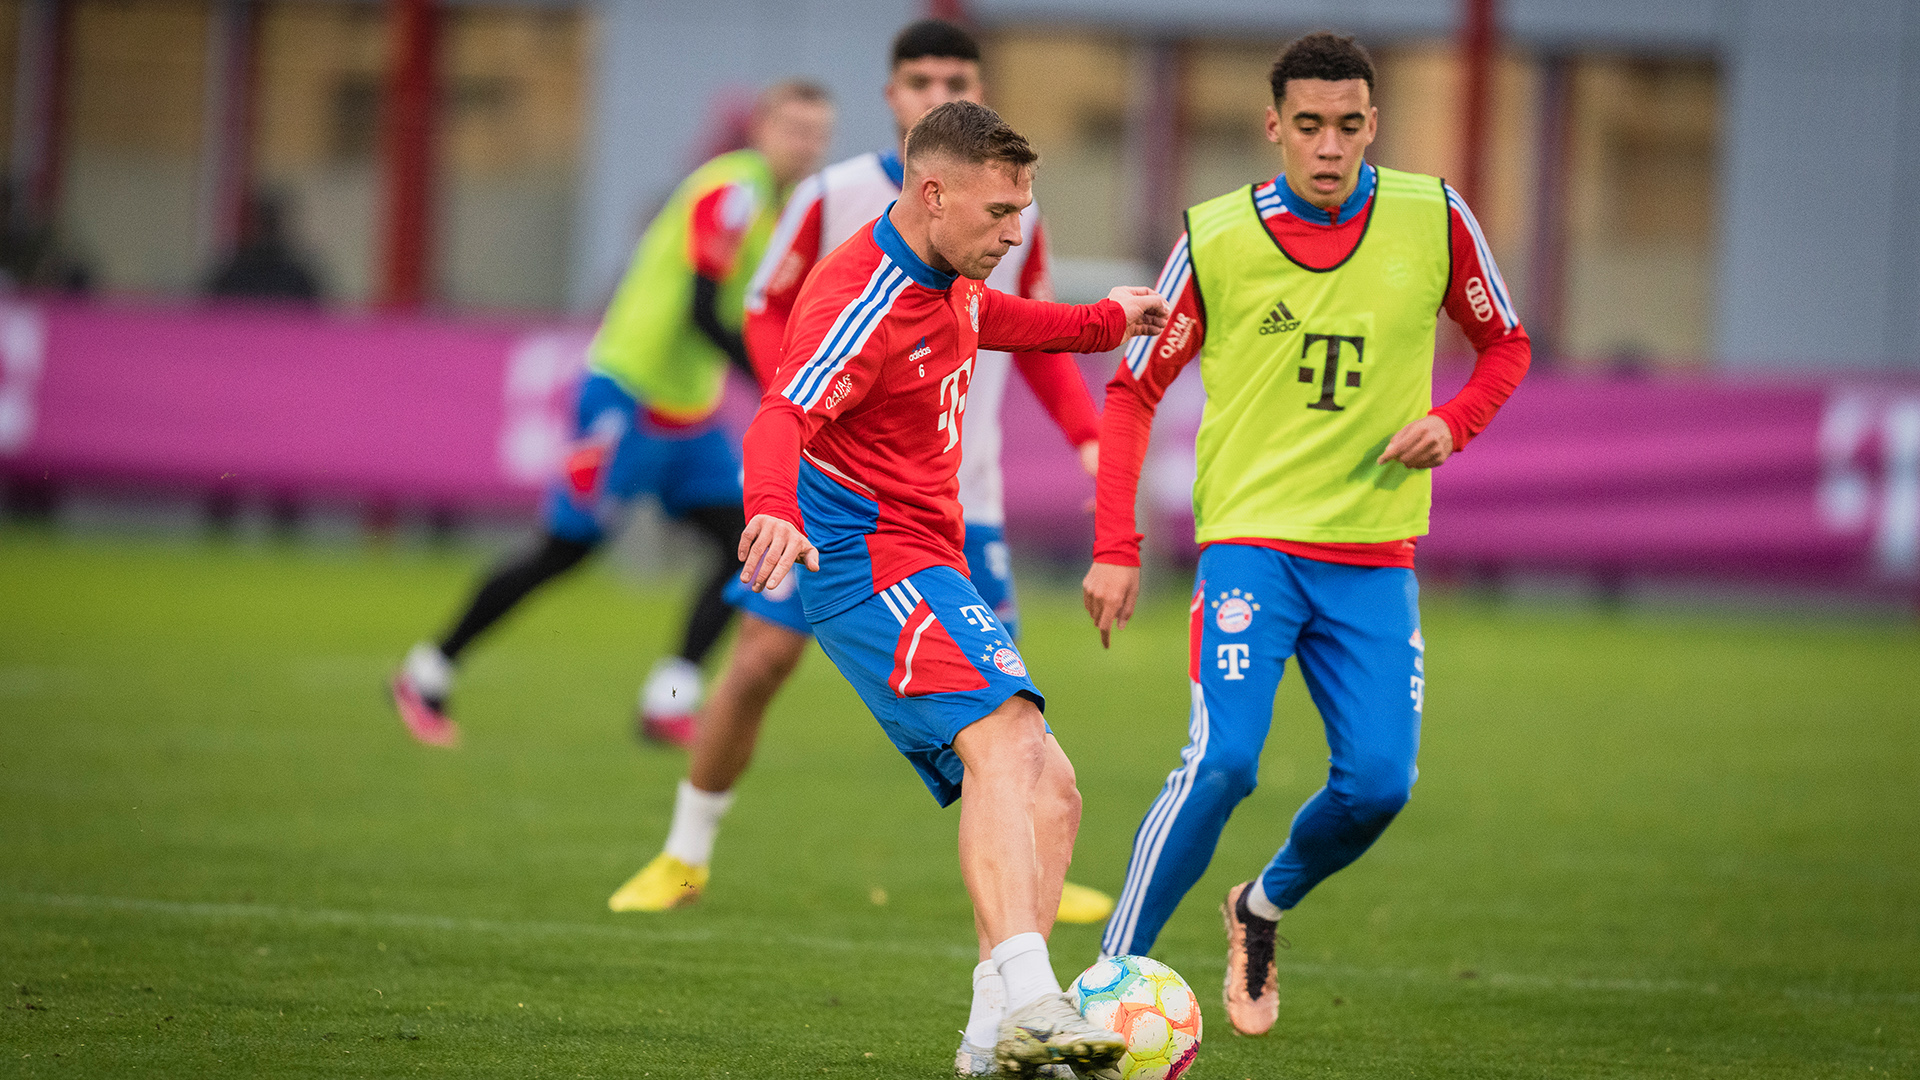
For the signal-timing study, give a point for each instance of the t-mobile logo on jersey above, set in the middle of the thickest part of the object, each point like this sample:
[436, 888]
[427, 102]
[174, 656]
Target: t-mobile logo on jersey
[1330, 375]
[980, 617]
[953, 402]
[1235, 659]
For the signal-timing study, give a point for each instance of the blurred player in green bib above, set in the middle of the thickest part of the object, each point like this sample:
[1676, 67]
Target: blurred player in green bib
[1311, 302]
[644, 416]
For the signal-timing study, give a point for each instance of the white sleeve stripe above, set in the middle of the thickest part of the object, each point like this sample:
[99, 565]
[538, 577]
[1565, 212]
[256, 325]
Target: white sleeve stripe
[1496, 285]
[1173, 281]
[805, 197]
[849, 333]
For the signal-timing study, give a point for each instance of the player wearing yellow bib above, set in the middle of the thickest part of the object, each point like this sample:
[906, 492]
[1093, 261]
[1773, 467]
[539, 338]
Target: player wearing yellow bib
[1311, 302]
[643, 420]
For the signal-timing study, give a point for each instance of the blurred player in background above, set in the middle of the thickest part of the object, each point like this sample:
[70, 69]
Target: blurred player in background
[644, 422]
[934, 62]
[856, 448]
[1321, 292]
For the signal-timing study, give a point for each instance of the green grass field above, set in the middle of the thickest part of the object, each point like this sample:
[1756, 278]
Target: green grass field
[1641, 845]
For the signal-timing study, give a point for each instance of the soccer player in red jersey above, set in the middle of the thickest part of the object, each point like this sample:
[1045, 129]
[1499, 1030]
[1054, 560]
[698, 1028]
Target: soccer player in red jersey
[1310, 303]
[851, 468]
[933, 62]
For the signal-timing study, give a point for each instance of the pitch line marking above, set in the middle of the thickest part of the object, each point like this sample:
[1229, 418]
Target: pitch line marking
[407, 920]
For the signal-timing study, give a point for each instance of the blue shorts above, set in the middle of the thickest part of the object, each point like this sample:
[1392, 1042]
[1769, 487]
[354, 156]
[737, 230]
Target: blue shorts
[619, 455]
[987, 557]
[929, 658]
[779, 605]
[992, 572]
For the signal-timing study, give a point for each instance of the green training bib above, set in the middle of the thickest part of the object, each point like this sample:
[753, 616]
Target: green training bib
[1309, 373]
[647, 341]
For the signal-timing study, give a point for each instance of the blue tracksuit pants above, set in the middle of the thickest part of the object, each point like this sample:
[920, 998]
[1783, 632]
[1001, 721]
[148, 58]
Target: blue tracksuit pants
[1356, 633]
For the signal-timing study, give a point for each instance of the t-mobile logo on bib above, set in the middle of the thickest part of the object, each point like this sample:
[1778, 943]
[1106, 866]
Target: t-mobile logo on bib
[1235, 659]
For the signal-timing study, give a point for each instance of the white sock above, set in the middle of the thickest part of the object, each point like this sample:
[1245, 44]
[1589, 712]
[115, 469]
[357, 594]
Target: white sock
[673, 688]
[430, 672]
[1258, 903]
[1025, 968]
[989, 1004]
[696, 822]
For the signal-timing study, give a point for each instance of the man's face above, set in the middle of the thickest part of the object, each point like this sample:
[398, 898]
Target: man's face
[794, 137]
[917, 87]
[976, 213]
[1323, 129]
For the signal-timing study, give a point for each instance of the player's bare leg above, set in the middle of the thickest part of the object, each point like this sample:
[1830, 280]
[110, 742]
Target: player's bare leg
[764, 655]
[1018, 816]
[1056, 823]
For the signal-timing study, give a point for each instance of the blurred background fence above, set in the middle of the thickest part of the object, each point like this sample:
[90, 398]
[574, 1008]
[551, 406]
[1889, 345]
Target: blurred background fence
[296, 252]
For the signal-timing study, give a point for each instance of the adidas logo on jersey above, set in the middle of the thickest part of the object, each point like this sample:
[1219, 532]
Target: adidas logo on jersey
[1280, 320]
[924, 350]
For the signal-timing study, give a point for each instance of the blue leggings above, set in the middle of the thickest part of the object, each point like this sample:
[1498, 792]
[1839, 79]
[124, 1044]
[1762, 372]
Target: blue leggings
[1356, 632]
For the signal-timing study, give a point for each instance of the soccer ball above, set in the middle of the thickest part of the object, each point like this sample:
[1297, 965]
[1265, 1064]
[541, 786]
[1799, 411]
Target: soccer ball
[1150, 1006]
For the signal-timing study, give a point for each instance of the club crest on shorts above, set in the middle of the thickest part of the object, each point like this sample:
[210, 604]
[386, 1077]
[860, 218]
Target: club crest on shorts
[1233, 611]
[1010, 663]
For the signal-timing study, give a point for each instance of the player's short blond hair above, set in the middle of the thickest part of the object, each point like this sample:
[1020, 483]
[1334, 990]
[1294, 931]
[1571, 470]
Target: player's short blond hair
[786, 91]
[971, 133]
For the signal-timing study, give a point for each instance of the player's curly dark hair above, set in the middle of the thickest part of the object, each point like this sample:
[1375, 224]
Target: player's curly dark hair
[933, 37]
[970, 132]
[1321, 55]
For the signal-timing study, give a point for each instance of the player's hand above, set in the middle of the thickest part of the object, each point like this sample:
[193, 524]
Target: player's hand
[769, 547]
[1146, 310]
[1423, 444]
[1090, 457]
[1110, 591]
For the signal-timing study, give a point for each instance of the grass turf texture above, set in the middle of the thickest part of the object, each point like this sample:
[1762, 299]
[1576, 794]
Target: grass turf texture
[1661, 846]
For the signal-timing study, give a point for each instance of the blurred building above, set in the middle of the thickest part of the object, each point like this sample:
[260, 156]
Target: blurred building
[1665, 183]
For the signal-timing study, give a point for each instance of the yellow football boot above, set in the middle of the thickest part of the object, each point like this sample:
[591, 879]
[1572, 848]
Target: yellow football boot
[1079, 904]
[664, 884]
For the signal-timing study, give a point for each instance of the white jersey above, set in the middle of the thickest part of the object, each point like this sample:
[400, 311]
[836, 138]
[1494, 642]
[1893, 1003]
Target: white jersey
[836, 202]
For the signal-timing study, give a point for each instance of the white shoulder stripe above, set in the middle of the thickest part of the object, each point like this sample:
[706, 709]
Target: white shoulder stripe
[1496, 285]
[1173, 280]
[848, 334]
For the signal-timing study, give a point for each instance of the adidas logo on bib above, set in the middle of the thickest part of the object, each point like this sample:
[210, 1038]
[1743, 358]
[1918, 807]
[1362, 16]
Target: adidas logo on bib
[1280, 320]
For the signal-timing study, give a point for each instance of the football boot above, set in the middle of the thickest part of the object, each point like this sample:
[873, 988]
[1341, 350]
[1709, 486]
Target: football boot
[971, 1060]
[420, 693]
[1083, 906]
[662, 885]
[1253, 983]
[1049, 1031]
[668, 702]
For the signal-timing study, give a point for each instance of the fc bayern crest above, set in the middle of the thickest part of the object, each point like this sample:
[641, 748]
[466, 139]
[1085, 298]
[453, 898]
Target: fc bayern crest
[973, 316]
[1233, 611]
[1234, 615]
[1009, 661]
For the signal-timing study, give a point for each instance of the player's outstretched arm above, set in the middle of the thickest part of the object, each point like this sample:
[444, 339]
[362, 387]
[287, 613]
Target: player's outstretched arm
[1109, 591]
[769, 547]
[1146, 310]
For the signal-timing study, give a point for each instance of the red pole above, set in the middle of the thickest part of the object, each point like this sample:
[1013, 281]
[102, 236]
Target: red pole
[407, 136]
[230, 119]
[40, 109]
[1477, 35]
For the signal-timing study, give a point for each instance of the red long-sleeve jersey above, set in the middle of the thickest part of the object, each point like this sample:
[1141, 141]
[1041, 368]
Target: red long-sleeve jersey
[857, 440]
[844, 198]
[1477, 300]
